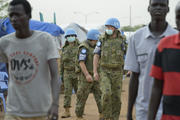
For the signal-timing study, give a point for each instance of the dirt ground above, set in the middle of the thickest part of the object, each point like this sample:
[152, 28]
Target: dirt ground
[91, 111]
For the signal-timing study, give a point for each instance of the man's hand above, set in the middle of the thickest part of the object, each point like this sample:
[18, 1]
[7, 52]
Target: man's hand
[53, 112]
[96, 76]
[89, 78]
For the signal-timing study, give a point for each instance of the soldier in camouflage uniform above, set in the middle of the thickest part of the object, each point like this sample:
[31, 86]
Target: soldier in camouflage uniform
[109, 52]
[86, 84]
[67, 71]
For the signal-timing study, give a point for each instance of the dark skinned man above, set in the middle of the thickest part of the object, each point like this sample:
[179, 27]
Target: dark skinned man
[33, 89]
[140, 56]
[167, 77]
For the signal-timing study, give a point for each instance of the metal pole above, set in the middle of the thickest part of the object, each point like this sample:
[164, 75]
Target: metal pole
[86, 19]
[130, 16]
[41, 17]
[85, 15]
[54, 18]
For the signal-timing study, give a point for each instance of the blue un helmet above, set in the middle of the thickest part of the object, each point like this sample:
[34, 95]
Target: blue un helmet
[70, 31]
[113, 22]
[93, 34]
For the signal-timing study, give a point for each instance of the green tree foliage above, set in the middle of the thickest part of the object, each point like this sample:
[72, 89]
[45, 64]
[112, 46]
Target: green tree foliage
[3, 8]
[131, 28]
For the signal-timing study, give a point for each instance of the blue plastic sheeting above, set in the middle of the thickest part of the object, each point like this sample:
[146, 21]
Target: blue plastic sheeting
[3, 67]
[3, 70]
[55, 30]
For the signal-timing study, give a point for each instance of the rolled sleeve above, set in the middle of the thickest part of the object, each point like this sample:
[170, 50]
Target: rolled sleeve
[131, 62]
[97, 49]
[82, 55]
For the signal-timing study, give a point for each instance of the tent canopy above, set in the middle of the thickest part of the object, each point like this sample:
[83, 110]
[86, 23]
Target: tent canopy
[55, 30]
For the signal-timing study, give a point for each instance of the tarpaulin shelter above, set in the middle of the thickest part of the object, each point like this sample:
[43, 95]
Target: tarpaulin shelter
[54, 30]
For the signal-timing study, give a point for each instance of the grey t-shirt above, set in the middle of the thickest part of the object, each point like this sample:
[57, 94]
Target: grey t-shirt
[139, 59]
[29, 89]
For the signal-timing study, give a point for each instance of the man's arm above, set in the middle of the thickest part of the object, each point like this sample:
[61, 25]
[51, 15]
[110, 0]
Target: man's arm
[55, 85]
[95, 66]
[82, 59]
[133, 90]
[85, 71]
[95, 63]
[97, 53]
[61, 69]
[155, 99]
[7, 66]
[4, 59]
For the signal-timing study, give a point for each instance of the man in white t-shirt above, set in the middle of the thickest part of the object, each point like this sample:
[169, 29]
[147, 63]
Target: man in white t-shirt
[33, 91]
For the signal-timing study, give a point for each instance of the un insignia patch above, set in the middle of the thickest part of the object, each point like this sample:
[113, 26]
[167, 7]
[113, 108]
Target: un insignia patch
[83, 51]
[98, 43]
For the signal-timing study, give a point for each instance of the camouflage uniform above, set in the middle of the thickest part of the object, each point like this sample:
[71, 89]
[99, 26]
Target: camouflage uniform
[125, 50]
[111, 73]
[68, 71]
[84, 87]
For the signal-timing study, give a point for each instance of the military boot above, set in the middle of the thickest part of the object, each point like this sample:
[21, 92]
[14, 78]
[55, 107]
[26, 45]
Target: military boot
[66, 113]
[80, 118]
[101, 117]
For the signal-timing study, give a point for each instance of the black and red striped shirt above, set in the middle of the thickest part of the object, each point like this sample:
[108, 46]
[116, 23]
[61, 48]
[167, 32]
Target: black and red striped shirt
[166, 67]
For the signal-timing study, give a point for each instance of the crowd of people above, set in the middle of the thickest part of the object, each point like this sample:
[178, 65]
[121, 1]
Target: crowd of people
[81, 63]
[94, 66]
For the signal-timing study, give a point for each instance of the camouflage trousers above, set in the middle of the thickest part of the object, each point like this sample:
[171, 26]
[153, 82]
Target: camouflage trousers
[111, 87]
[84, 88]
[70, 83]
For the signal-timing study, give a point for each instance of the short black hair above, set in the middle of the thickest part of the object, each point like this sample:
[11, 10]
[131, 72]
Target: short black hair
[166, 0]
[26, 5]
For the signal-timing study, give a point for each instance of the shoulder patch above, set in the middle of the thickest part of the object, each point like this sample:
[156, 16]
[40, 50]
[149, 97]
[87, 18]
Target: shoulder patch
[83, 51]
[98, 44]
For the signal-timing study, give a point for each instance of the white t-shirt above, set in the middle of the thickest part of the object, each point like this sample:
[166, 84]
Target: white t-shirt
[29, 89]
